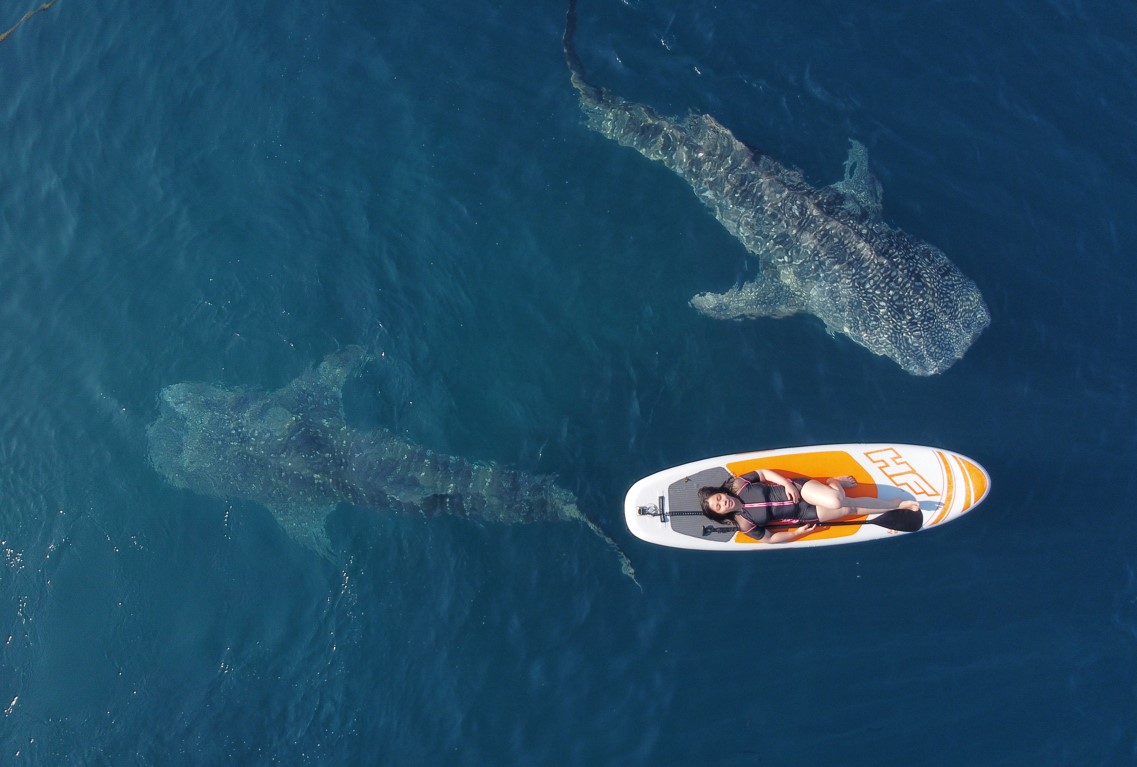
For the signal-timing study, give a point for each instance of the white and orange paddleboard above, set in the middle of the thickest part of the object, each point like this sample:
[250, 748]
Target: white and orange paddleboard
[664, 508]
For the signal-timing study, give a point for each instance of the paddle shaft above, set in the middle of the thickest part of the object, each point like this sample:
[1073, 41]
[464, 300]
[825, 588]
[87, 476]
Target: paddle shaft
[903, 520]
[900, 520]
[805, 522]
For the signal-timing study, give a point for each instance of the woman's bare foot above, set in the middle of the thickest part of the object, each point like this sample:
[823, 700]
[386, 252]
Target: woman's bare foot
[846, 481]
[910, 505]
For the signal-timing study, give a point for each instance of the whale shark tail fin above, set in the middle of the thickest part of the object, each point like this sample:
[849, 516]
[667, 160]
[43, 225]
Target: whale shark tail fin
[625, 563]
[589, 94]
[572, 512]
[575, 67]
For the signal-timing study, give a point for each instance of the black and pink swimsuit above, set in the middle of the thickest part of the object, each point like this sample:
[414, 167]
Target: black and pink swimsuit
[763, 503]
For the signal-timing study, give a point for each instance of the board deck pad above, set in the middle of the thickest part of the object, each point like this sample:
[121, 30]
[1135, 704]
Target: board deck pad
[664, 507]
[685, 515]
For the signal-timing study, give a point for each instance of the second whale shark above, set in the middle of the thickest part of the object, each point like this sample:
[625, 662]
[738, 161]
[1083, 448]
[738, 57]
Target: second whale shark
[292, 451]
[824, 252]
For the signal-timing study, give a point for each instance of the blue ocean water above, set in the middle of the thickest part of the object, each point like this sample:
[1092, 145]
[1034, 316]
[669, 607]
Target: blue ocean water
[227, 192]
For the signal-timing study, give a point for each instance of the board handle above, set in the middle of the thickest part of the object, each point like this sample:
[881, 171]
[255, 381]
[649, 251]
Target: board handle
[657, 509]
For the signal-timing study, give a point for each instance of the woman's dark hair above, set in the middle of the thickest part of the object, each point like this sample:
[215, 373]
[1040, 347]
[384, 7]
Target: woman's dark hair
[706, 492]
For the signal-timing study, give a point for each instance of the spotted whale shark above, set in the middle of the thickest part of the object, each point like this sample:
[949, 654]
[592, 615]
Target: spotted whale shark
[824, 252]
[292, 451]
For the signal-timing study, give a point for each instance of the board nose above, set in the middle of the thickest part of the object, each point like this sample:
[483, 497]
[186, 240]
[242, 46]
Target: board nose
[977, 480]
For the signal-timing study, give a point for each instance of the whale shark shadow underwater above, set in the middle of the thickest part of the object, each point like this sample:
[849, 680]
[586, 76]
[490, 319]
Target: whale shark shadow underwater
[292, 451]
[824, 252]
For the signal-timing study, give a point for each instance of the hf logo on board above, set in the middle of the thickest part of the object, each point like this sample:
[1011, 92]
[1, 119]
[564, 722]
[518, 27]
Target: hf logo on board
[900, 472]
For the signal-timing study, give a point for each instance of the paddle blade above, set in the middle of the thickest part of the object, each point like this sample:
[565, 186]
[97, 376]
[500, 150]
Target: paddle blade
[902, 520]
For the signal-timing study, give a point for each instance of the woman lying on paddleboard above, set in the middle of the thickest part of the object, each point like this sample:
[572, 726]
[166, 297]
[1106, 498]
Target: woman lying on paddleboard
[763, 497]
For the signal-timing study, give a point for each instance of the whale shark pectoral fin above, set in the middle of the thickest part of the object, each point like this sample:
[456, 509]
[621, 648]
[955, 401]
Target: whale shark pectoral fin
[343, 365]
[757, 298]
[860, 192]
[305, 525]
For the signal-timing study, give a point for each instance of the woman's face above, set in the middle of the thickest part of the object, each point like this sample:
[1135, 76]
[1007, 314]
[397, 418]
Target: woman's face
[721, 503]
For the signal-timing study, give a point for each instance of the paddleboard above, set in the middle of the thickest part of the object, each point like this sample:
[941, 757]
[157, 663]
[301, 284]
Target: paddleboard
[664, 507]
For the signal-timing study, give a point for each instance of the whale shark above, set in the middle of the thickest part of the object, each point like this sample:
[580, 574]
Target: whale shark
[824, 252]
[292, 451]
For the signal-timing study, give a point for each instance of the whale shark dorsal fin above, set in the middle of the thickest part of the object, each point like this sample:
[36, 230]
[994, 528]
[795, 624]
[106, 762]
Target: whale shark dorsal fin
[318, 392]
[762, 297]
[861, 192]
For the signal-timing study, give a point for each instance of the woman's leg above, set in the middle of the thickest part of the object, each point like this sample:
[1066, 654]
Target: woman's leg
[829, 498]
[832, 503]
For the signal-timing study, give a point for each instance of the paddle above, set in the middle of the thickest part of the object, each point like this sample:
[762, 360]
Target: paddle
[902, 520]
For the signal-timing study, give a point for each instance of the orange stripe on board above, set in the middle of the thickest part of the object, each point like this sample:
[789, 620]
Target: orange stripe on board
[978, 479]
[949, 490]
[969, 496]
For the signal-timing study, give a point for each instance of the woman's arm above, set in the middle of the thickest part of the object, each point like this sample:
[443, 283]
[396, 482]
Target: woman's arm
[746, 527]
[774, 478]
[785, 536]
[742, 480]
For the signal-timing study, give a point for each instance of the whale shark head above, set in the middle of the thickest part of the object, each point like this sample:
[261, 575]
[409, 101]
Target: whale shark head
[284, 449]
